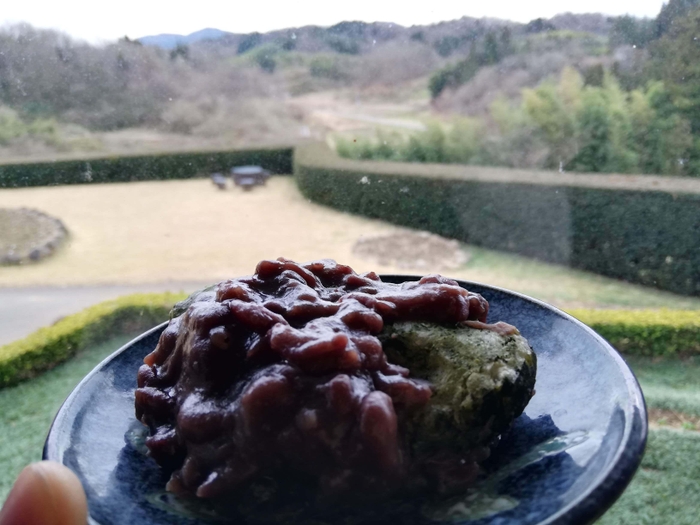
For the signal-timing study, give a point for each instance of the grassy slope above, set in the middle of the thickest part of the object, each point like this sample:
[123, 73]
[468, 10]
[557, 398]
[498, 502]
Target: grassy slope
[662, 492]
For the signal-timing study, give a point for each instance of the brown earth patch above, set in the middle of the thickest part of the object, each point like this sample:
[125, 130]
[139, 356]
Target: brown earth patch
[412, 250]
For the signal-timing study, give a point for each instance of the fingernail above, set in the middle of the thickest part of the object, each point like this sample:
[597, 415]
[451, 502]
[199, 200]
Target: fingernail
[45, 493]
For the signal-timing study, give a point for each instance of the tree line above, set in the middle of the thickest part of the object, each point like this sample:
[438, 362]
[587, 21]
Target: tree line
[646, 122]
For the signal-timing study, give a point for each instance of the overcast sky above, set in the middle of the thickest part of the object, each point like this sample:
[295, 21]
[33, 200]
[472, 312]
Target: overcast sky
[102, 21]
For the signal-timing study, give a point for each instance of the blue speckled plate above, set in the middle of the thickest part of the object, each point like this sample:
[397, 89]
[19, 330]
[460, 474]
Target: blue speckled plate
[565, 460]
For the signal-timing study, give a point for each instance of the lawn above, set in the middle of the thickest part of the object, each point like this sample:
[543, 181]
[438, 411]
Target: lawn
[29, 408]
[665, 489]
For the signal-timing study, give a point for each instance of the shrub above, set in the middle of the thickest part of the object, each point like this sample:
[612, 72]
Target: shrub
[145, 167]
[52, 345]
[181, 51]
[11, 127]
[393, 64]
[461, 143]
[447, 45]
[386, 147]
[248, 42]
[344, 45]
[491, 50]
[646, 332]
[630, 31]
[539, 25]
[452, 76]
[324, 66]
[265, 57]
[183, 116]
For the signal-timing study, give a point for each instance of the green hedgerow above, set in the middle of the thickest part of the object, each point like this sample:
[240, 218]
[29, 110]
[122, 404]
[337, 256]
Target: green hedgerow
[646, 332]
[53, 344]
[160, 166]
[641, 235]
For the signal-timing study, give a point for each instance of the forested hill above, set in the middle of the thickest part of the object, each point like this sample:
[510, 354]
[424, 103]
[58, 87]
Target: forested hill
[627, 103]
[354, 37]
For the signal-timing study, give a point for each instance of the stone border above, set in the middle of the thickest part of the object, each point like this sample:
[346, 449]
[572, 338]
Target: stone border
[46, 245]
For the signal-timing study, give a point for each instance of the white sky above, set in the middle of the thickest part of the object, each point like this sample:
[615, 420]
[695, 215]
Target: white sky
[96, 20]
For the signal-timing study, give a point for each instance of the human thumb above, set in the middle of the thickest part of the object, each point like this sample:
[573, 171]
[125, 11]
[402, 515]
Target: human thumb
[45, 493]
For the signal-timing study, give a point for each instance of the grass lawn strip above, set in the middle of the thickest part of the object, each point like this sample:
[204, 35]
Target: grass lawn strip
[29, 408]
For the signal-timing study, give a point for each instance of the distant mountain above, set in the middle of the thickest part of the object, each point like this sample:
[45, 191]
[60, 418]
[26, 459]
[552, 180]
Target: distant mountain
[349, 37]
[170, 41]
[355, 37]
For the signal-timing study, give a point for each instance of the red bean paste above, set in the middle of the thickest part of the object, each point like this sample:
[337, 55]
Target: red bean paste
[283, 371]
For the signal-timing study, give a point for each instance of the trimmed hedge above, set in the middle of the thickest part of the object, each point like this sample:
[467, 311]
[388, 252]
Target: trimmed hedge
[639, 229]
[161, 166]
[52, 345]
[646, 332]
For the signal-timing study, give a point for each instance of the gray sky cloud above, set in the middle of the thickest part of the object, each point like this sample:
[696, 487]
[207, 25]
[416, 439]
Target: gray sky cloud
[102, 21]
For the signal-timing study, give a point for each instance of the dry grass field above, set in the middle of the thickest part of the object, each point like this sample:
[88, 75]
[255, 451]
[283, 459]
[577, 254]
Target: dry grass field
[188, 231]
[180, 231]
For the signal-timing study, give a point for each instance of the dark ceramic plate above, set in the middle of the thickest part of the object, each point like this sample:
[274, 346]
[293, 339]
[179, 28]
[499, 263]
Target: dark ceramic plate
[565, 460]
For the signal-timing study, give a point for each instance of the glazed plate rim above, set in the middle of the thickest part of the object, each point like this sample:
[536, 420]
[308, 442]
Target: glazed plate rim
[626, 459]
